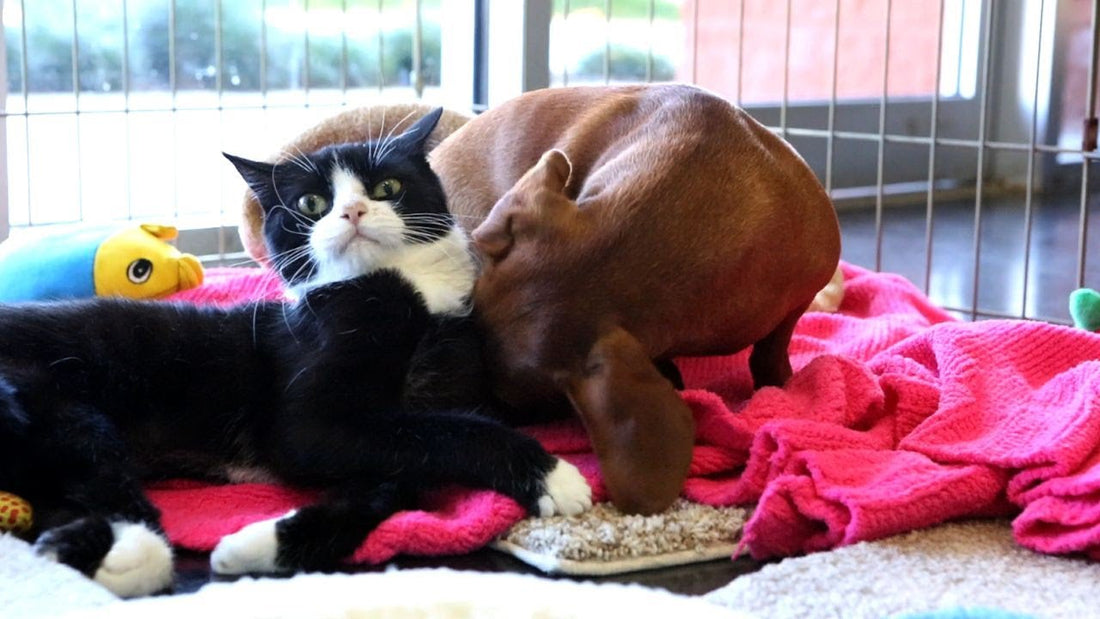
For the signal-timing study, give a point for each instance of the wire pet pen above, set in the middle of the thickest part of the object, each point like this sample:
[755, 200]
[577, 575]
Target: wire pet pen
[956, 137]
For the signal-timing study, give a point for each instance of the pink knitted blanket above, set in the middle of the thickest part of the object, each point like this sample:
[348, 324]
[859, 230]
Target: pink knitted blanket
[897, 417]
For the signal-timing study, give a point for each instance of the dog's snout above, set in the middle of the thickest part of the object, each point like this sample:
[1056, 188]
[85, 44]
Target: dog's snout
[494, 240]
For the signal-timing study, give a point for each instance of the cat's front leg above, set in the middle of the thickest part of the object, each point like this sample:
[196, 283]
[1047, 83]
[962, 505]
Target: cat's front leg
[130, 559]
[567, 491]
[427, 449]
[93, 513]
[317, 537]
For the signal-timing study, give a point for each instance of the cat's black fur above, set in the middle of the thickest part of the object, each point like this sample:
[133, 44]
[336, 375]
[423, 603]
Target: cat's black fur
[99, 396]
[356, 389]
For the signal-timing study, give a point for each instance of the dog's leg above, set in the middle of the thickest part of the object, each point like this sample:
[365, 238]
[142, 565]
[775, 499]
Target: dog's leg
[769, 361]
[643, 433]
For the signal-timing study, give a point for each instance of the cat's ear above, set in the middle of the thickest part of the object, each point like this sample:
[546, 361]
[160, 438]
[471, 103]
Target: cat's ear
[413, 139]
[257, 174]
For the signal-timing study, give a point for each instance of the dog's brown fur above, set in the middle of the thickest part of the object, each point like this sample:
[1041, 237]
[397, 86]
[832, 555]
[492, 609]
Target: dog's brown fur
[622, 225]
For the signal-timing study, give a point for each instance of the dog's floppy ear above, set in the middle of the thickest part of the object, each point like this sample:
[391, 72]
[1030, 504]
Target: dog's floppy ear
[552, 171]
[519, 208]
[641, 430]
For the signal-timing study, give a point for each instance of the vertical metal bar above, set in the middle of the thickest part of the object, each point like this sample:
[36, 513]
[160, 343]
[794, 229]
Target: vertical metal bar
[740, 50]
[417, 52]
[76, 114]
[381, 65]
[75, 58]
[649, 54]
[565, 22]
[934, 130]
[305, 50]
[830, 141]
[344, 53]
[26, 104]
[695, 42]
[172, 77]
[126, 105]
[607, 42]
[1086, 162]
[1032, 152]
[173, 85]
[1094, 67]
[263, 54]
[881, 155]
[219, 87]
[480, 90]
[786, 73]
[219, 61]
[987, 36]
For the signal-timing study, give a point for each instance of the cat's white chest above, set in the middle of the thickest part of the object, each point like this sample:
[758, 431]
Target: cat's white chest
[442, 271]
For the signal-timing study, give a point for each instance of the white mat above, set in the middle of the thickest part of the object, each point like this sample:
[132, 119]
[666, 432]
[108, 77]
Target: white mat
[604, 541]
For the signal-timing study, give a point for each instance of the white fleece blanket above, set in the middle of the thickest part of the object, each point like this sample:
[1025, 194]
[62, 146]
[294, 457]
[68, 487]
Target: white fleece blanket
[969, 569]
[31, 586]
[34, 587]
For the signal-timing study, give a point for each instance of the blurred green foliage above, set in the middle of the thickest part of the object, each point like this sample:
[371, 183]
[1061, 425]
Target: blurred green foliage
[624, 64]
[634, 9]
[140, 45]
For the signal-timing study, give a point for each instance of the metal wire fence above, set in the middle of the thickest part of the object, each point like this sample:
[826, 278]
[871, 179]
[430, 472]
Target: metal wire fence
[957, 137]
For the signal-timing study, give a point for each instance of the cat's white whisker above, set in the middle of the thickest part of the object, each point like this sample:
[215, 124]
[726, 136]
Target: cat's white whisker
[386, 144]
[372, 145]
[300, 159]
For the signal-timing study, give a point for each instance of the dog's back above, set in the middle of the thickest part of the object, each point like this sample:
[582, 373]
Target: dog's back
[669, 215]
[714, 228]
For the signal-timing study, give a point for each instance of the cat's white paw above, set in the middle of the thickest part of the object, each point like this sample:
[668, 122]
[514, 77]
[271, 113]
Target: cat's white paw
[139, 562]
[252, 550]
[567, 492]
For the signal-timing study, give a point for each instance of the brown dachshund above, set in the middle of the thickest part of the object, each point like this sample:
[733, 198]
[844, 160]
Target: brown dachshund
[621, 227]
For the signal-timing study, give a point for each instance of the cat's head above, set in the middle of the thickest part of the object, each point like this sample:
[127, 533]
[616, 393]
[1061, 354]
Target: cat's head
[349, 209]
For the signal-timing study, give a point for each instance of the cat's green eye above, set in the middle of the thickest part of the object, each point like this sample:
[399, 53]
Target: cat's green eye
[386, 189]
[312, 204]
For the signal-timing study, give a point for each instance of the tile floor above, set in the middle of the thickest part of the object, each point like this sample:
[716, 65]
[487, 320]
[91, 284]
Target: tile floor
[1050, 265]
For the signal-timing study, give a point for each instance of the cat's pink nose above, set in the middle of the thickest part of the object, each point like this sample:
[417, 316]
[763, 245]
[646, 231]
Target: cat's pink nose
[353, 213]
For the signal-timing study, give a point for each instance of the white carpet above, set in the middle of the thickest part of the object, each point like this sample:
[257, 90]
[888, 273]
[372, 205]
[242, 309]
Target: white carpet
[31, 586]
[34, 587]
[406, 594]
[971, 565]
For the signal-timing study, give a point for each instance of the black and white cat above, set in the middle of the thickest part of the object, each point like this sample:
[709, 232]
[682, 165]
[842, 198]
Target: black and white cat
[355, 208]
[98, 397]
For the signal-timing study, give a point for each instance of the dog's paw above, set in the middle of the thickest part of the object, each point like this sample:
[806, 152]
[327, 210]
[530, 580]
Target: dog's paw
[252, 550]
[138, 563]
[567, 492]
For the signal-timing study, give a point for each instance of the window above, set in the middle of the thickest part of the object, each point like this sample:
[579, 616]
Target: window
[118, 109]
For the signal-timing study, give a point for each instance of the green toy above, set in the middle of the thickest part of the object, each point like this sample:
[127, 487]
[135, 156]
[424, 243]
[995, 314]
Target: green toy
[1084, 307]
